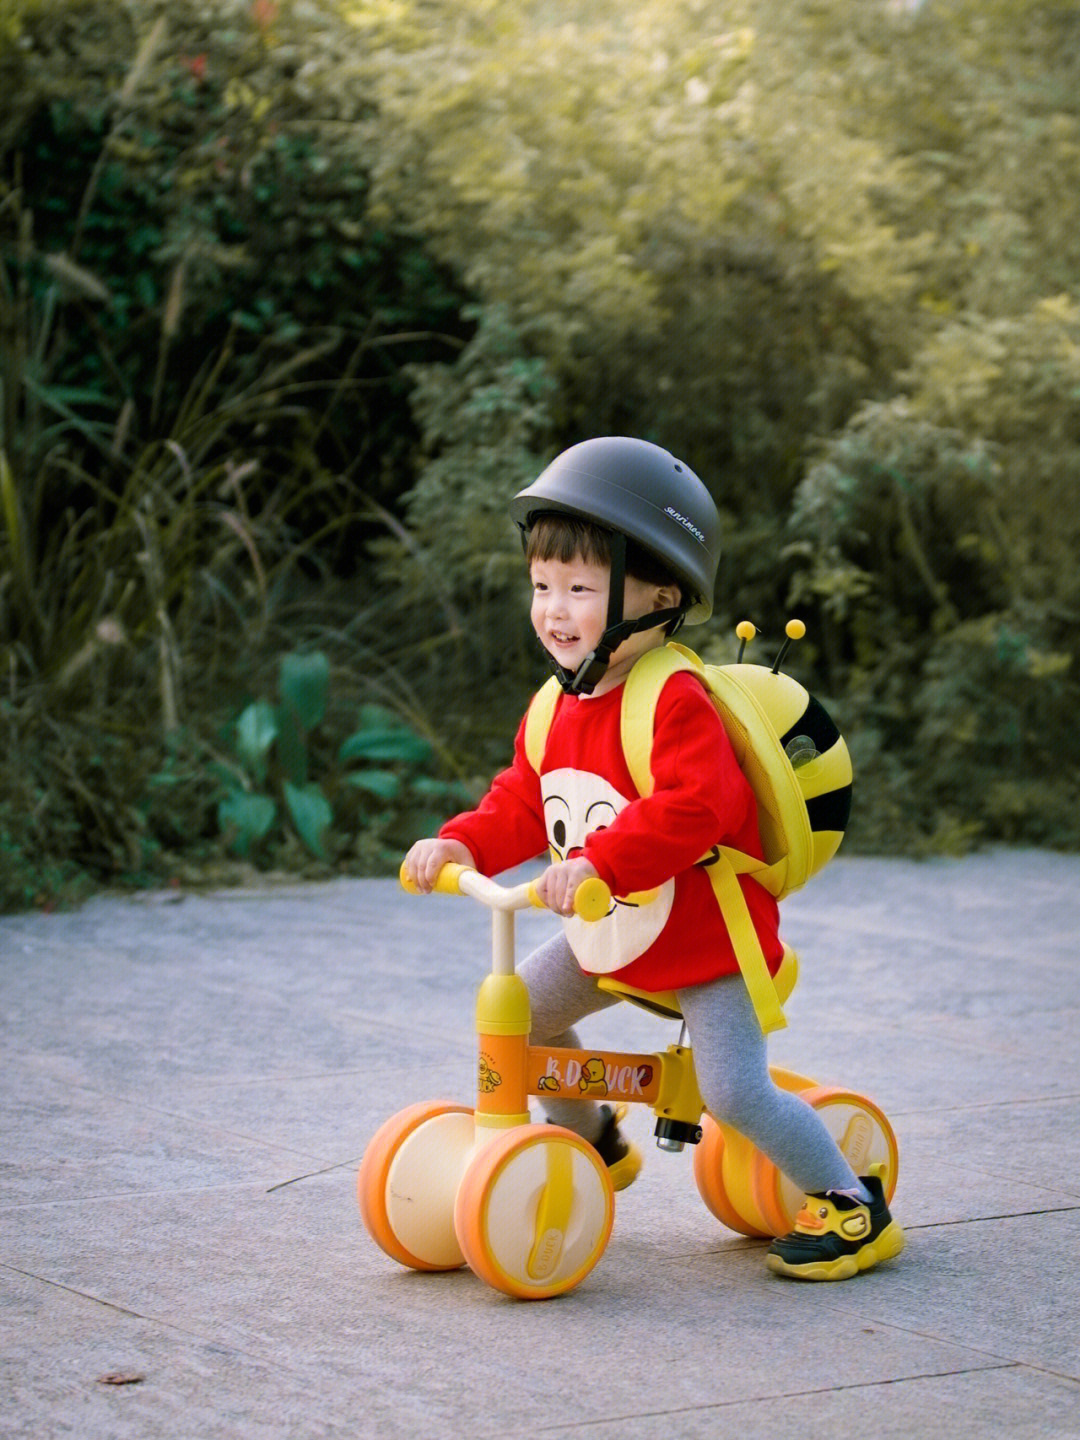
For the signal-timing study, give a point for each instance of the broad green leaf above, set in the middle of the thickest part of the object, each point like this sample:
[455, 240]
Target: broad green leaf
[304, 681]
[311, 814]
[14, 526]
[244, 819]
[385, 745]
[256, 731]
[384, 783]
[431, 788]
[427, 823]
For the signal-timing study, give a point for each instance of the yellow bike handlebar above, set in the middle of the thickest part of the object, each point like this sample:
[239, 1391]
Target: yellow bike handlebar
[592, 899]
[447, 882]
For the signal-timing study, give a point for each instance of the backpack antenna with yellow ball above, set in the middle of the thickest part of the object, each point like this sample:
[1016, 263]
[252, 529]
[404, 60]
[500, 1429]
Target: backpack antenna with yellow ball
[794, 630]
[746, 631]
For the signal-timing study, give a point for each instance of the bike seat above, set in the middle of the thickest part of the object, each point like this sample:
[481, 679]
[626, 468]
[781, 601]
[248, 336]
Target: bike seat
[666, 1002]
[660, 1002]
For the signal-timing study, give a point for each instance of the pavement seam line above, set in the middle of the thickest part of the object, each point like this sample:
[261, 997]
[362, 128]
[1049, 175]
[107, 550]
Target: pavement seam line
[786, 1395]
[74, 1290]
[106, 1197]
[156, 1320]
[986, 1219]
[995, 1104]
[314, 1174]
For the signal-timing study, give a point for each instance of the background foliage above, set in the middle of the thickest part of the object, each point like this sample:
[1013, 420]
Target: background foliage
[292, 301]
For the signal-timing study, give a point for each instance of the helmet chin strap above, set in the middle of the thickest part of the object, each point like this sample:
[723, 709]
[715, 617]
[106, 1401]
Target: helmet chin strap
[584, 680]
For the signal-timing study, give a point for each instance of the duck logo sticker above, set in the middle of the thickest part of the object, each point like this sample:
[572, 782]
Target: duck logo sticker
[576, 805]
[595, 1076]
[488, 1078]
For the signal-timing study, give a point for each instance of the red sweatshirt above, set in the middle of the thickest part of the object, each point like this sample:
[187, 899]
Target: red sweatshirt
[583, 801]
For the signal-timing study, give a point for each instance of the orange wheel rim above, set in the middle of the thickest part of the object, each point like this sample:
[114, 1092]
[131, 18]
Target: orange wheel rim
[738, 1167]
[371, 1178]
[709, 1171]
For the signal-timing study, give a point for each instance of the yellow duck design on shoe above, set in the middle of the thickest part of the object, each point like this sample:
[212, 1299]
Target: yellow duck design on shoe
[837, 1236]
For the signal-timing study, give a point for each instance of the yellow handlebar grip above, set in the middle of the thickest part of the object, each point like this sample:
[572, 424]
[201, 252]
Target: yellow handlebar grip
[534, 897]
[592, 899]
[447, 882]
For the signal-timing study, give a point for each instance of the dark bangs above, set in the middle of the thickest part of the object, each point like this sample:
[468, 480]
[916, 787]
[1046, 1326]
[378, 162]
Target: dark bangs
[567, 537]
[561, 537]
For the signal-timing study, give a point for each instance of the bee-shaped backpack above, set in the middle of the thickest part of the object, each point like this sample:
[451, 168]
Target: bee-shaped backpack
[789, 749]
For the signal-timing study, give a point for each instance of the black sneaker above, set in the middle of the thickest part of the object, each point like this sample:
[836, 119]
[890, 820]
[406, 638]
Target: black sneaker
[621, 1156]
[836, 1236]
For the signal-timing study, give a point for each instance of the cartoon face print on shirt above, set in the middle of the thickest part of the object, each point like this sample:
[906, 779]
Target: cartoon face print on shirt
[576, 804]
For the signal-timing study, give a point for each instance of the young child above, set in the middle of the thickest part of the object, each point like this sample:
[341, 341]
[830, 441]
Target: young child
[622, 545]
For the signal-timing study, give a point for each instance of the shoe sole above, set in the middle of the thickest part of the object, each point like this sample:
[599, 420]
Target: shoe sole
[886, 1247]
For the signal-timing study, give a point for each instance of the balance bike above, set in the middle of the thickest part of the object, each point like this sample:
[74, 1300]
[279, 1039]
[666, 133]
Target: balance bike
[529, 1208]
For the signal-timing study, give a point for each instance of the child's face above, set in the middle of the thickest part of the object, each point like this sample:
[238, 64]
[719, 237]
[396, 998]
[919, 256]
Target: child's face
[569, 613]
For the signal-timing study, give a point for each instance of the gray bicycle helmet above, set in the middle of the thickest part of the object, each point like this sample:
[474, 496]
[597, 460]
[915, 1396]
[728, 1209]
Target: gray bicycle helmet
[637, 491]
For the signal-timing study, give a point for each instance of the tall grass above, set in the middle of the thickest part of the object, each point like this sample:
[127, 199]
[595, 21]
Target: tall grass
[156, 546]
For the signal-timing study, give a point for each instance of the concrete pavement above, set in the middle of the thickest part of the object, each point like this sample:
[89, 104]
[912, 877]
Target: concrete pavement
[188, 1084]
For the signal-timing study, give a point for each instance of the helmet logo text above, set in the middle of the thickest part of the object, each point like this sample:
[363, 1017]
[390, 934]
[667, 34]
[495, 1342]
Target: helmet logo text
[686, 523]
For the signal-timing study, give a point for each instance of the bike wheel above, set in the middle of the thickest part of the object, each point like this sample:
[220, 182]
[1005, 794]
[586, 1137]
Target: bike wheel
[534, 1211]
[408, 1180]
[724, 1164]
[862, 1132]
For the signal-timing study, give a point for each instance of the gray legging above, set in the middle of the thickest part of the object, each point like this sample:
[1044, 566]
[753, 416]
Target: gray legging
[729, 1057]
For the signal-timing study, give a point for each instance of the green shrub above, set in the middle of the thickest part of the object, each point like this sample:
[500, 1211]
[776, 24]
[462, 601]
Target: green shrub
[201, 203]
[203, 329]
[292, 302]
[454, 566]
[935, 568]
[359, 798]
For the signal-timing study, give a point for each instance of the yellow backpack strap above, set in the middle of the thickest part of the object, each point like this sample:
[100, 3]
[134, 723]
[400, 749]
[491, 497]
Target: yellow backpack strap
[640, 698]
[641, 695]
[745, 943]
[538, 721]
